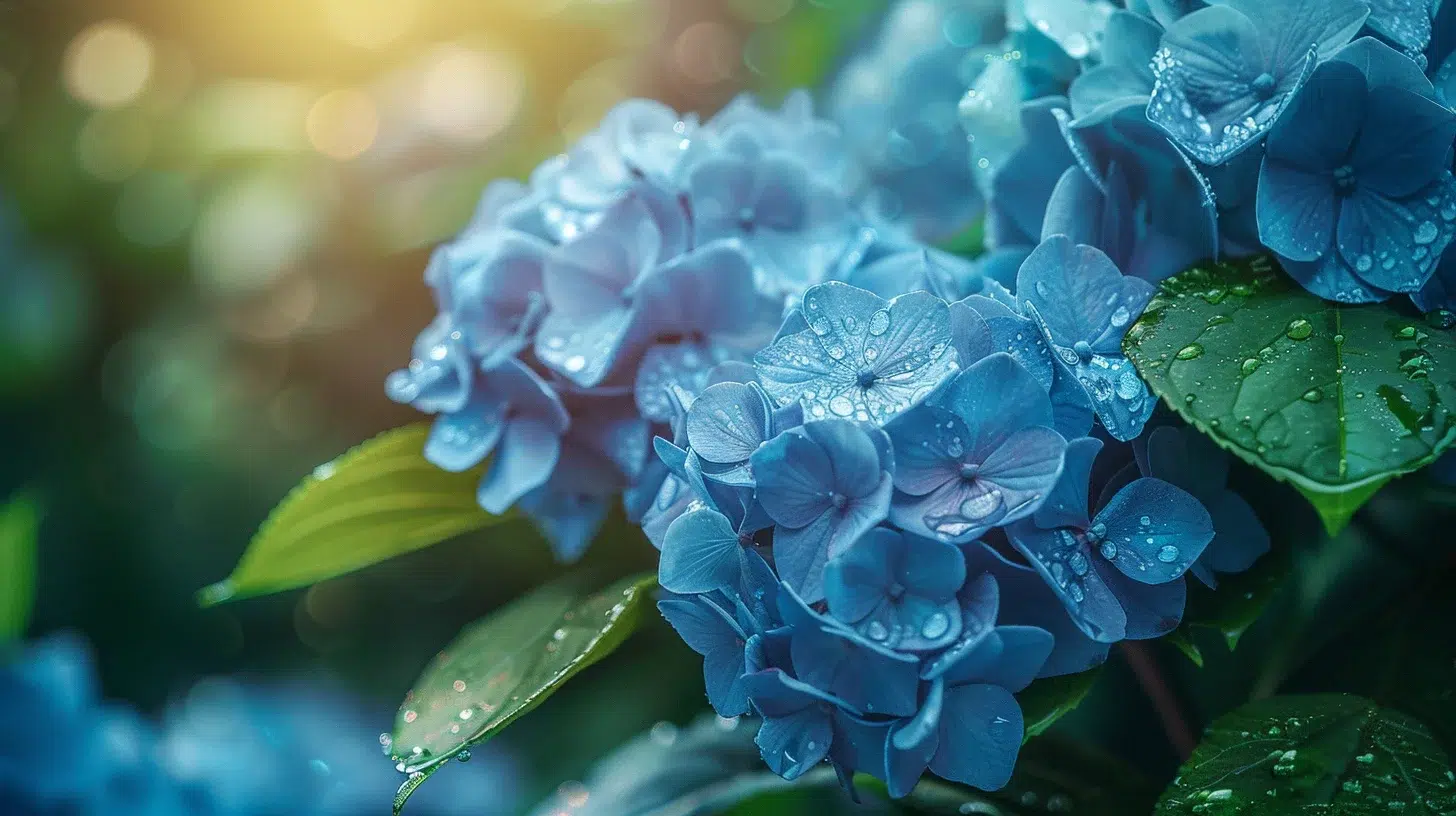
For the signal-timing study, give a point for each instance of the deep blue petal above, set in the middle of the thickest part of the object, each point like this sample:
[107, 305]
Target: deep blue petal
[1153, 531]
[980, 735]
[700, 553]
[712, 634]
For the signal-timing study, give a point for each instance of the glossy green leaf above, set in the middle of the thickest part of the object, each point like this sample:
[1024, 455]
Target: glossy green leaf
[19, 526]
[1335, 399]
[506, 664]
[1328, 753]
[1047, 700]
[377, 501]
[1233, 606]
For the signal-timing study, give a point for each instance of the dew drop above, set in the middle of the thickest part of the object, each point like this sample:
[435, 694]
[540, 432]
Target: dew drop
[1298, 329]
[879, 323]
[935, 626]
[1192, 351]
[1168, 554]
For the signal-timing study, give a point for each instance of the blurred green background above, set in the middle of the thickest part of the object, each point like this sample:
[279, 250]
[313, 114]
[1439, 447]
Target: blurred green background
[214, 217]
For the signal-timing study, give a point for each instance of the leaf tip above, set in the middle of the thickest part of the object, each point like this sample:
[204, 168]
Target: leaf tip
[217, 594]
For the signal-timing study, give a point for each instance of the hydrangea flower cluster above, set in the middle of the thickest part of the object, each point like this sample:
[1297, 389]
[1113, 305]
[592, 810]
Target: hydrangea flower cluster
[226, 749]
[1167, 132]
[573, 306]
[886, 527]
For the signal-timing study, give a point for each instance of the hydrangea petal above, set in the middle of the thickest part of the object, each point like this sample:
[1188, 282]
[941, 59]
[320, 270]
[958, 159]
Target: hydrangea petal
[1296, 211]
[728, 422]
[1079, 294]
[1065, 563]
[796, 732]
[1395, 244]
[1066, 504]
[1152, 610]
[527, 454]
[707, 630]
[980, 734]
[700, 553]
[1405, 142]
[459, 441]
[1154, 531]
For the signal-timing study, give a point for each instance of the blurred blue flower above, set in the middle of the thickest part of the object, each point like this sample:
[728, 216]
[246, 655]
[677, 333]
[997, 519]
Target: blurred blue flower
[949, 277]
[898, 590]
[1085, 306]
[1021, 187]
[1187, 459]
[1118, 572]
[513, 414]
[1226, 72]
[896, 100]
[862, 357]
[824, 485]
[1355, 194]
[1124, 78]
[980, 454]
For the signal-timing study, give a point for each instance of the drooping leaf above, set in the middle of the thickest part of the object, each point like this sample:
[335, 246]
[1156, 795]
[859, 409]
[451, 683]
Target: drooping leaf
[19, 524]
[1326, 753]
[1333, 398]
[1047, 700]
[506, 664]
[1233, 606]
[379, 500]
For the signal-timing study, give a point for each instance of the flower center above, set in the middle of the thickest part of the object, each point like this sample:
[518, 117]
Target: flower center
[1097, 532]
[970, 470]
[866, 377]
[1344, 179]
[1263, 85]
[1084, 350]
[896, 591]
[839, 500]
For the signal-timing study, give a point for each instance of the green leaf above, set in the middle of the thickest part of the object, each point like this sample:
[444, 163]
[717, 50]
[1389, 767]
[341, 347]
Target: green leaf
[1335, 399]
[19, 526]
[1047, 700]
[377, 501]
[1326, 754]
[506, 664]
[1234, 606]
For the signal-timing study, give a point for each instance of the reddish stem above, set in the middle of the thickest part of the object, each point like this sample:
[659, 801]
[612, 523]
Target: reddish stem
[1145, 666]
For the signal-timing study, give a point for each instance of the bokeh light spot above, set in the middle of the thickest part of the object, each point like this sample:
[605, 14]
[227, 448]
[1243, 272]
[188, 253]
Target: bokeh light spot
[342, 124]
[469, 95]
[370, 23]
[108, 64]
[707, 52]
[113, 145]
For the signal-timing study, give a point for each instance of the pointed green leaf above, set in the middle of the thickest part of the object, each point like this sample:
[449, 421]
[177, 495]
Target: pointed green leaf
[1324, 753]
[1049, 699]
[506, 664]
[1234, 606]
[19, 526]
[1333, 398]
[379, 500]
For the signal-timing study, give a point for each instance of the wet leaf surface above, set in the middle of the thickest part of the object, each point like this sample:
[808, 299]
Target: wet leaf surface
[1326, 754]
[1334, 399]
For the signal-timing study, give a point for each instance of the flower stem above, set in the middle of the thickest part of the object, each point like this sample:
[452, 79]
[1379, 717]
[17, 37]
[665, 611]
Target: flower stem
[1165, 703]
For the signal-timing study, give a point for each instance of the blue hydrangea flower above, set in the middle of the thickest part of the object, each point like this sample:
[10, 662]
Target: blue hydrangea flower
[1025, 600]
[982, 453]
[1124, 78]
[1085, 306]
[795, 225]
[898, 590]
[1118, 571]
[713, 633]
[489, 282]
[798, 725]
[1226, 72]
[440, 372]
[1158, 213]
[1187, 459]
[896, 101]
[1021, 187]
[1355, 188]
[513, 414]
[967, 726]
[946, 276]
[824, 485]
[862, 357]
